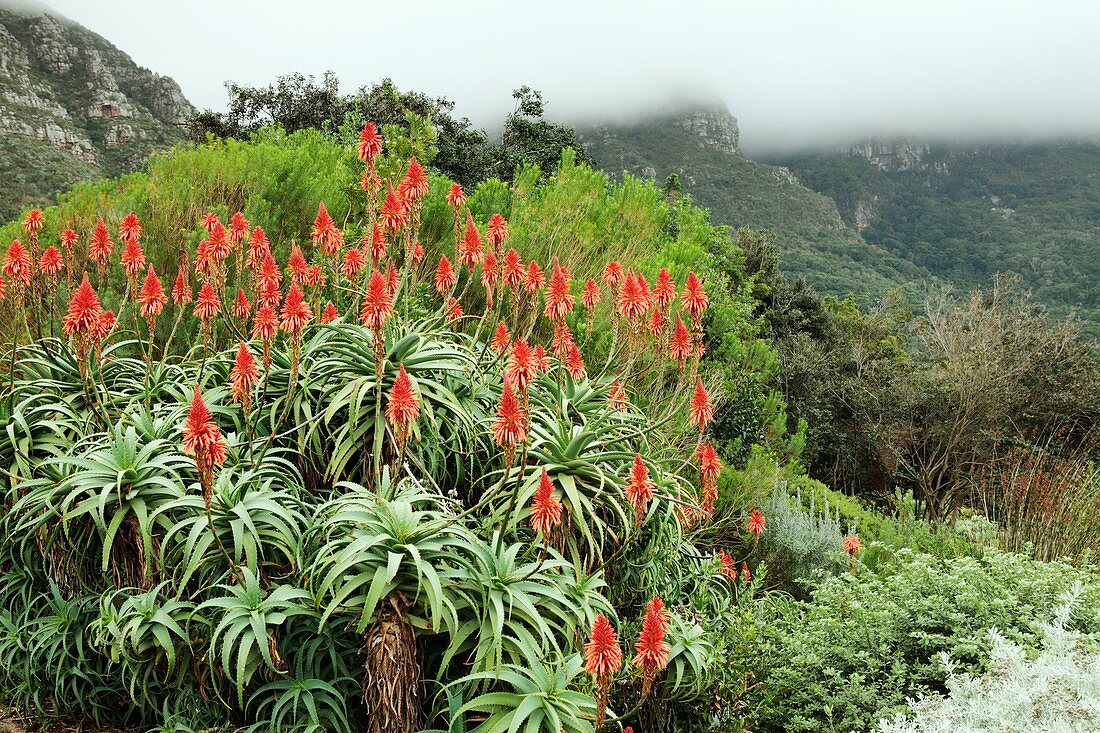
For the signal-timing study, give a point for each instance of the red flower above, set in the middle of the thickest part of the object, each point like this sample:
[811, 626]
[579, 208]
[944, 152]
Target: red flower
[296, 263]
[702, 411]
[757, 523]
[269, 294]
[651, 647]
[258, 249]
[559, 301]
[269, 272]
[602, 655]
[315, 277]
[490, 274]
[17, 264]
[562, 341]
[393, 212]
[242, 308]
[181, 291]
[238, 228]
[377, 244]
[472, 250]
[101, 245]
[534, 279]
[542, 361]
[104, 325]
[403, 406]
[498, 230]
[151, 299]
[522, 368]
[510, 426]
[639, 488]
[377, 302]
[745, 574]
[616, 396]
[546, 507]
[726, 565]
[709, 463]
[591, 295]
[202, 439]
[613, 274]
[353, 262]
[574, 363]
[445, 277]
[265, 326]
[296, 312]
[680, 348]
[694, 297]
[418, 253]
[207, 305]
[455, 197]
[129, 230]
[501, 338]
[415, 183]
[454, 310]
[370, 142]
[329, 314]
[851, 545]
[33, 221]
[392, 279]
[218, 246]
[209, 220]
[664, 292]
[656, 323]
[633, 302]
[325, 234]
[68, 239]
[50, 262]
[133, 258]
[243, 376]
[513, 269]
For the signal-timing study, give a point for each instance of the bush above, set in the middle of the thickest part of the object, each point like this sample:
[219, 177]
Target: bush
[799, 544]
[865, 642]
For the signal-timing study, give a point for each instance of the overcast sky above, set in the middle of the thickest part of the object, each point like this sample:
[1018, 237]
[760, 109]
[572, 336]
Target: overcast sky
[792, 71]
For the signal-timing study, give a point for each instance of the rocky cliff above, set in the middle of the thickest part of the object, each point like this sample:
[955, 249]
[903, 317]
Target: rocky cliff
[73, 107]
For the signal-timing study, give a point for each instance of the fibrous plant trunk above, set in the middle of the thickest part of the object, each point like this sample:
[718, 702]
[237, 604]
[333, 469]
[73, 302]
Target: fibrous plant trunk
[392, 676]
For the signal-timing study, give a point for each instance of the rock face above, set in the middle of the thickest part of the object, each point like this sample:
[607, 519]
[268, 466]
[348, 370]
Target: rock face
[892, 154]
[715, 128]
[73, 106]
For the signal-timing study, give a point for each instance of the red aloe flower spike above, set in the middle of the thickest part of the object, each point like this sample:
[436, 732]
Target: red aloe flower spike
[415, 183]
[151, 299]
[726, 565]
[265, 326]
[501, 338]
[680, 348]
[546, 507]
[497, 232]
[454, 310]
[757, 523]
[656, 323]
[296, 312]
[852, 545]
[574, 363]
[535, 278]
[559, 301]
[445, 277]
[639, 488]
[242, 309]
[472, 251]
[522, 367]
[99, 249]
[181, 291]
[33, 222]
[694, 297]
[51, 262]
[203, 439]
[455, 197]
[218, 245]
[103, 327]
[17, 264]
[239, 227]
[209, 219]
[129, 230]
[513, 270]
[377, 303]
[633, 302]
[207, 305]
[602, 659]
[376, 245]
[664, 292]
[84, 310]
[616, 397]
[353, 263]
[542, 361]
[324, 233]
[329, 314]
[258, 249]
[702, 411]
[243, 376]
[591, 295]
[403, 406]
[394, 213]
[510, 426]
[393, 280]
[490, 276]
[651, 647]
[613, 275]
[370, 142]
[710, 466]
[296, 263]
[133, 260]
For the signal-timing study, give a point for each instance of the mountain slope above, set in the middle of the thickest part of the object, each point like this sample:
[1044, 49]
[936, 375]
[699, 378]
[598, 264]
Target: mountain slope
[965, 212]
[701, 146]
[73, 107]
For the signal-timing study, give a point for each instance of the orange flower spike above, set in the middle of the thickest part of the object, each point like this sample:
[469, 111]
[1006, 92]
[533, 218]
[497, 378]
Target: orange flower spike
[415, 183]
[207, 305]
[218, 246]
[501, 338]
[445, 276]
[757, 523]
[239, 228]
[377, 244]
[490, 275]
[613, 274]
[403, 405]
[209, 220]
[315, 277]
[602, 658]
[546, 507]
[296, 312]
[104, 325]
[133, 258]
[99, 249]
[702, 411]
[456, 197]
[542, 361]
[852, 545]
[203, 439]
[522, 367]
[393, 279]
[681, 348]
[353, 262]
[377, 302]
[370, 142]
[129, 230]
[329, 314]
[296, 263]
[574, 363]
[472, 250]
[51, 262]
[243, 376]
[726, 566]
[242, 308]
[325, 234]
[393, 213]
[181, 291]
[258, 249]
[69, 238]
[510, 426]
[559, 301]
[616, 397]
[151, 298]
[17, 263]
[639, 488]
[664, 291]
[694, 297]
[710, 465]
[633, 302]
[651, 647]
[33, 222]
[513, 270]
[84, 310]
[534, 280]
[656, 323]
[265, 326]
[454, 310]
[497, 233]
[591, 295]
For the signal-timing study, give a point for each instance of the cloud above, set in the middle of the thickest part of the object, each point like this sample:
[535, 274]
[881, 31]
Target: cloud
[794, 72]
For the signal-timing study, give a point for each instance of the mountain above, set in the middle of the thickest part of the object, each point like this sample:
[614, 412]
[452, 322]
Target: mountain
[73, 107]
[700, 144]
[966, 211]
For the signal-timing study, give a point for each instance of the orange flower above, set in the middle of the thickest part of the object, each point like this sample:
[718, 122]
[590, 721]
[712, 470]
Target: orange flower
[501, 338]
[852, 545]
[370, 142]
[203, 439]
[633, 302]
[591, 295]
[133, 258]
[510, 427]
[377, 244]
[574, 363]
[455, 197]
[101, 245]
[745, 574]
[181, 291]
[296, 312]
[602, 658]
[472, 250]
[353, 262]
[315, 277]
[454, 310]
[534, 279]
[522, 367]
[613, 274]
[393, 212]
[258, 249]
[329, 314]
[403, 406]
[559, 302]
[709, 463]
[151, 299]
[498, 230]
[209, 219]
[17, 264]
[651, 647]
[513, 270]
[680, 348]
[694, 297]
[639, 488]
[33, 222]
[377, 302]
[726, 565]
[562, 341]
[265, 326]
[656, 323]
[269, 271]
[242, 308]
[757, 523]
[296, 263]
[664, 292]
[129, 230]
[392, 279]
[490, 275]
[84, 310]
[417, 253]
[546, 507]
[218, 246]
[50, 262]
[415, 183]
[702, 411]
[616, 396]
[324, 233]
[445, 277]
[207, 305]
[104, 325]
[69, 238]
[238, 228]
[269, 294]
[243, 376]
